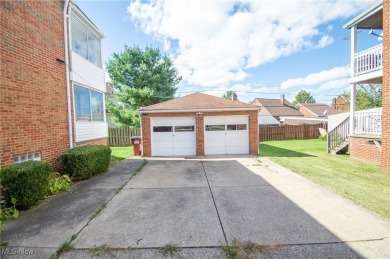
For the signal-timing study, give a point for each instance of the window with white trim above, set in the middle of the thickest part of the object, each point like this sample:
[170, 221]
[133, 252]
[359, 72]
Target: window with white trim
[85, 42]
[89, 105]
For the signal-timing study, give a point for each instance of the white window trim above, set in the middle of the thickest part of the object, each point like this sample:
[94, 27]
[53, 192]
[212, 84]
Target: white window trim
[92, 29]
[74, 104]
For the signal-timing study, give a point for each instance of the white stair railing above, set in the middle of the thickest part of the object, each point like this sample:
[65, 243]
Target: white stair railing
[369, 60]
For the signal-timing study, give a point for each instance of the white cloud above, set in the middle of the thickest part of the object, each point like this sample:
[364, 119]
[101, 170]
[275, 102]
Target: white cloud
[327, 79]
[217, 41]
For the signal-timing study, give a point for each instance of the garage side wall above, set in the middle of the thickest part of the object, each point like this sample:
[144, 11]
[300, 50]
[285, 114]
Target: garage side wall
[253, 129]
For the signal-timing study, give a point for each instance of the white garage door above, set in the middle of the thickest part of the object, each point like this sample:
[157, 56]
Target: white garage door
[173, 136]
[226, 135]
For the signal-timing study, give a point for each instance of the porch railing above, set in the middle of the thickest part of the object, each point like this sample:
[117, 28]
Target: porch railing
[338, 135]
[368, 122]
[369, 60]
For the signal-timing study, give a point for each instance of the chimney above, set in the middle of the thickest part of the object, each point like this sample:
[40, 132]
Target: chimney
[282, 99]
[334, 102]
[234, 97]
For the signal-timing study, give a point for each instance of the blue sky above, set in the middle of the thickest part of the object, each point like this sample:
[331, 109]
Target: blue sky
[256, 48]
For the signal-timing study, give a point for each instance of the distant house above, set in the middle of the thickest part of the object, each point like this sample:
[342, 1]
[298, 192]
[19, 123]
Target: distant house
[268, 120]
[278, 108]
[109, 94]
[320, 110]
[339, 103]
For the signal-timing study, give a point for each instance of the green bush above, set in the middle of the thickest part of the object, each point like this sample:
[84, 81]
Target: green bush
[26, 182]
[85, 161]
[59, 183]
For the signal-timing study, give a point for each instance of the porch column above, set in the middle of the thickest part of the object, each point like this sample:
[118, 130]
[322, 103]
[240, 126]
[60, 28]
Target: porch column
[352, 100]
[352, 109]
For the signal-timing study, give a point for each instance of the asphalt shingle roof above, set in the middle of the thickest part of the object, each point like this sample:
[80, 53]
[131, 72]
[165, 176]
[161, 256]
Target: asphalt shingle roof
[320, 109]
[276, 108]
[198, 101]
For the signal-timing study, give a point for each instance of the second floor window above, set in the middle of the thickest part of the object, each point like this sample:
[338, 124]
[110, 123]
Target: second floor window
[88, 104]
[85, 42]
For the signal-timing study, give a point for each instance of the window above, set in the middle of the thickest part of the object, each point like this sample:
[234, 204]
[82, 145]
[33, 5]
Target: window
[215, 127]
[236, 127]
[162, 129]
[29, 157]
[88, 104]
[184, 128]
[85, 42]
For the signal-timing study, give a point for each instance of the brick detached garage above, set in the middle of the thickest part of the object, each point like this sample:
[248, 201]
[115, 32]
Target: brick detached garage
[199, 124]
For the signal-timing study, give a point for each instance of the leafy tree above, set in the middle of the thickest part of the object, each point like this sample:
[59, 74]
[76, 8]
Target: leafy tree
[228, 95]
[304, 96]
[367, 96]
[140, 78]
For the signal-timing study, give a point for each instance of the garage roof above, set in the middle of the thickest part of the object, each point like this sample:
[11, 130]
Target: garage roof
[198, 102]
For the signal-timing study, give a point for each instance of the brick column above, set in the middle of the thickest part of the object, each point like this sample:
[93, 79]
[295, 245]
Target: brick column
[385, 154]
[199, 135]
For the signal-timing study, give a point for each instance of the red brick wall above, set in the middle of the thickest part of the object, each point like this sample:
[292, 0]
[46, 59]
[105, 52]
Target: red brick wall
[33, 107]
[385, 160]
[361, 149]
[253, 129]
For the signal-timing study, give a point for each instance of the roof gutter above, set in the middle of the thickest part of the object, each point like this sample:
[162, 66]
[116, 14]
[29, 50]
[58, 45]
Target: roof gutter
[68, 94]
[199, 110]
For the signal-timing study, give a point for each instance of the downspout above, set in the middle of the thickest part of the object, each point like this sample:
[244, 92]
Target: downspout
[142, 141]
[68, 94]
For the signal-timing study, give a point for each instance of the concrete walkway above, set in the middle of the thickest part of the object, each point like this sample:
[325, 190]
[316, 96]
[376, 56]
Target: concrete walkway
[200, 205]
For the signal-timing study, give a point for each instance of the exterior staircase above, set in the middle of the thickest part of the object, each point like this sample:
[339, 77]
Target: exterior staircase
[338, 138]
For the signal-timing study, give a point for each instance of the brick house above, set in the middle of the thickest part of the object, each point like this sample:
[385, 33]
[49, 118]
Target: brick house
[339, 103]
[199, 124]
[368, 130]
[52, 83]
[316, 109]
[278, 108]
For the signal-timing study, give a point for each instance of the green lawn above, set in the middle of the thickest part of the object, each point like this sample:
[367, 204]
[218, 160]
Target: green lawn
[120, 153]
[360, 182]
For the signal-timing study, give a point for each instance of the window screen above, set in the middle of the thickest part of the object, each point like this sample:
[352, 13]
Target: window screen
[85, 42]
[82, 103]
[88, 104]
[97, 108]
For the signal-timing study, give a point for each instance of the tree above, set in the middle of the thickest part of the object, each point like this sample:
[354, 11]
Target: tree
[140, 78]
[367, 96]
[304, 96]
[228, 95]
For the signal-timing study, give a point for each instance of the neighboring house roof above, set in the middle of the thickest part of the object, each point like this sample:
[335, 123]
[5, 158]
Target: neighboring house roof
[319, 109]
[198, 102]
[267, 120]
[276, 108]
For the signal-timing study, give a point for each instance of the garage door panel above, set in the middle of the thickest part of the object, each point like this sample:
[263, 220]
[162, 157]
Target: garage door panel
[233, 140]
[171, 143]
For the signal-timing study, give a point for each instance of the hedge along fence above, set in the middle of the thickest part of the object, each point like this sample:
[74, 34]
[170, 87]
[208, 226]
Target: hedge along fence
[284, 132]
[27, 182]
[85, 161]
[121, 136]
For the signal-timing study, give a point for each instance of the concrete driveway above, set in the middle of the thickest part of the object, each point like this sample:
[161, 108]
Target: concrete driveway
[200, 205]
[208, 203]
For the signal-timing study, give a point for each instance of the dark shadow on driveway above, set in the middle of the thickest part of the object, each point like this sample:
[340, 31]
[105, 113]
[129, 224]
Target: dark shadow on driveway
[272, 151]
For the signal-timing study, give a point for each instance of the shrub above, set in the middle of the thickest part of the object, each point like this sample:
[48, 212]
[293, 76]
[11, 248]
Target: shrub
[26, 182]
[85, 161]
[7, 212]
[58, 183]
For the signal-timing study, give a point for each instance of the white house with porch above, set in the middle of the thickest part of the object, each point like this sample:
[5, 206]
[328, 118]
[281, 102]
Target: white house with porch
[361, 130]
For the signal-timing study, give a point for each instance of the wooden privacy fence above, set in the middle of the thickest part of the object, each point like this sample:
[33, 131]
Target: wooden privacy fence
[304, 131]
[121, 136]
